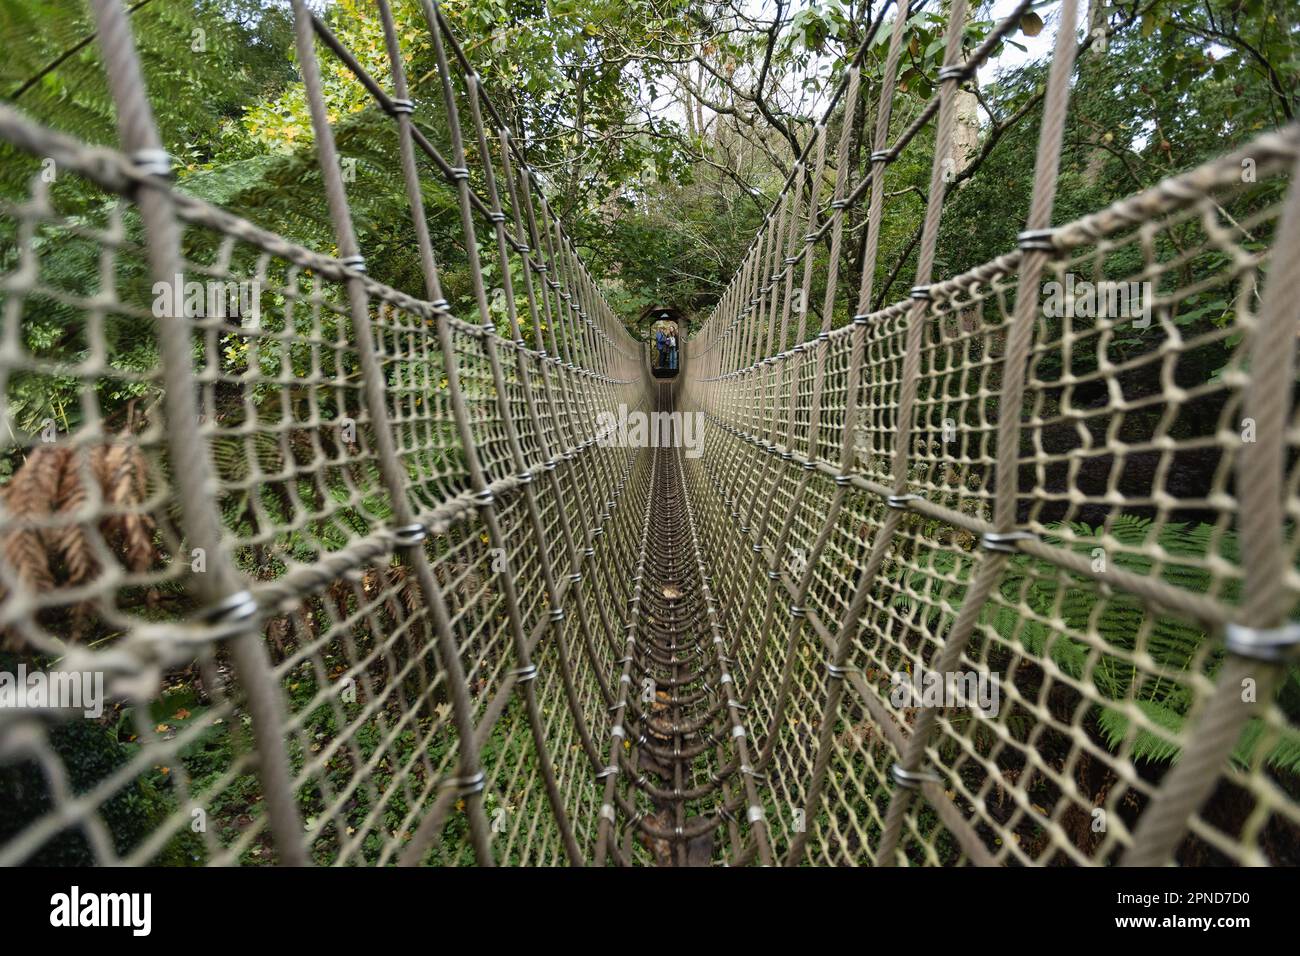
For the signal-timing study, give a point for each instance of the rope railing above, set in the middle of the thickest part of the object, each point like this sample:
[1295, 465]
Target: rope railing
[386, 513]
[941, 488]
[368, 576]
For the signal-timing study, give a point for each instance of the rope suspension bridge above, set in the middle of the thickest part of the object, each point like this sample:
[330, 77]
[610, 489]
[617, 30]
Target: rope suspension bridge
[436, 615]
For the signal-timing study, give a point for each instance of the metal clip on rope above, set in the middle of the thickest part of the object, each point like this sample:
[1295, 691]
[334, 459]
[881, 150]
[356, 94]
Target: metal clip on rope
[837, 671]
[466, 786]
[410, 534]
[524, 674]
[1036, 240]
[1003, 540]
[912, 779]
[153, 162]
[1271, 644]
[901, 502]
[229, 616]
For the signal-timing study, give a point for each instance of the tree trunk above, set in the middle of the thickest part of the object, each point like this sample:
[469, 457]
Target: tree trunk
[1096, 161]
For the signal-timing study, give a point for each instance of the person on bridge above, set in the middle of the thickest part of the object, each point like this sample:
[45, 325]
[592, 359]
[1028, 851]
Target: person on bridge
[661, 343]
[672, 351]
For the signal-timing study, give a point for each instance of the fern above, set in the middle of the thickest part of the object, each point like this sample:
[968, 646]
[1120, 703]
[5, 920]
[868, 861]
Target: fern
[1174, 643]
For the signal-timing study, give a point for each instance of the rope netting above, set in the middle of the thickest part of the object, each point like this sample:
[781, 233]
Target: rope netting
[368, 582]
[967, 484]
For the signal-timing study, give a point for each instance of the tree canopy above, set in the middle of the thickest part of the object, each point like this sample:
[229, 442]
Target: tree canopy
[662, 129]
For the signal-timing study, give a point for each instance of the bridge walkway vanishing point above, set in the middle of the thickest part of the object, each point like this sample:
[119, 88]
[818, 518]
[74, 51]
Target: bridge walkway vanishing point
[368, 583]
